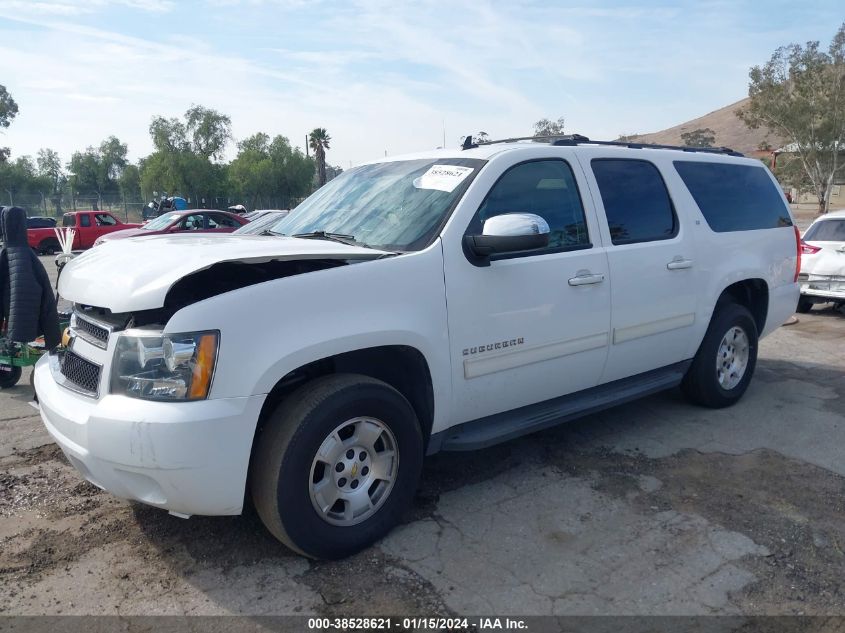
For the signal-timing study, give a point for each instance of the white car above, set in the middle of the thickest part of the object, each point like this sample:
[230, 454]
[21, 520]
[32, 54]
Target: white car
[445, 300]
[261, 221]
[822, 275]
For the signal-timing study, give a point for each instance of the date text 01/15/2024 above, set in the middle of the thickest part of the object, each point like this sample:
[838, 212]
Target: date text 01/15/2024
[417, 623]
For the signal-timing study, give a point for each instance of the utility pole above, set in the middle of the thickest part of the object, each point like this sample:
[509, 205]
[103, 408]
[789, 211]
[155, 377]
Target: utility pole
[306, 146]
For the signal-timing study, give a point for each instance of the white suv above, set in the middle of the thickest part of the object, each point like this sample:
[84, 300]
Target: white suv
[446, 300]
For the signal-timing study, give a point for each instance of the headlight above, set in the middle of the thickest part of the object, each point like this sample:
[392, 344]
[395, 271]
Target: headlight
[164, 367]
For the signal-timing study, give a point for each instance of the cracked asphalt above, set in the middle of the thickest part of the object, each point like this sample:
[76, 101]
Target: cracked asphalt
[654, 507]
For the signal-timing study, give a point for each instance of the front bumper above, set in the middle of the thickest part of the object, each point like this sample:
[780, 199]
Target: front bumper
[186, 457]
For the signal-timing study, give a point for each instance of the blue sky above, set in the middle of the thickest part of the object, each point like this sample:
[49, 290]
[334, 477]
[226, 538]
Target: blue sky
[382, 76]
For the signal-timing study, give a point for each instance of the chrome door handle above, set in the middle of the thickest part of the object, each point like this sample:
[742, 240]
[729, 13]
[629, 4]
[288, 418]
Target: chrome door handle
[679, 263]
[585, 278]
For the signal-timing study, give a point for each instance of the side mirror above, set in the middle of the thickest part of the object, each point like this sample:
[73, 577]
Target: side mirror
[508, 233]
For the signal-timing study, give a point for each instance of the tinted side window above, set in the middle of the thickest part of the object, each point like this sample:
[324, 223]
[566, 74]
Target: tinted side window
[546, 188]
[217, 219]
[636, 202]
[734, 197]
[68, 220]
[826, 231]
[84, 220]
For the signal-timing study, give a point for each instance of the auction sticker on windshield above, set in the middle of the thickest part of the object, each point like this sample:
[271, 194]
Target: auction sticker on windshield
[443, 177]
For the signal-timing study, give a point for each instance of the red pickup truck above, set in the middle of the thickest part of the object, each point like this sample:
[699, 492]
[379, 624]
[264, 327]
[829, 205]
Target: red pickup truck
[89, 225]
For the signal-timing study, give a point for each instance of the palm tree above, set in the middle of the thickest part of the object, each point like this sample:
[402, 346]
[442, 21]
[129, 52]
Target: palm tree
[319, 141]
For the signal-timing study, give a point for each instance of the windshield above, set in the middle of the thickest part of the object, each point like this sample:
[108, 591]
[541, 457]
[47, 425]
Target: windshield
[160, 222]
[261, 224]
[398, 205]
[826, 231]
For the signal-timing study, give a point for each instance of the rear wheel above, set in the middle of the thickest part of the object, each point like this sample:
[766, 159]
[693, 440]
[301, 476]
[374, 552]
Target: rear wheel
[9, 375]
[49, 247]
[336, 465]
[725, 362]
[804, 305]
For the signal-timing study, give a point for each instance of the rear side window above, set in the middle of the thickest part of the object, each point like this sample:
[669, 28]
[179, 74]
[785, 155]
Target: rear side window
[84, 220]
[635, 199]
[68, 220]
[734, 197]
[218, 219]
[826, 231]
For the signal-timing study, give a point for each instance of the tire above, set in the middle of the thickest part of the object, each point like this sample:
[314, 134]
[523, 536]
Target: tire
[703, 383]
[9, 376]
[284, 467]
[48, 247]
[804, 305]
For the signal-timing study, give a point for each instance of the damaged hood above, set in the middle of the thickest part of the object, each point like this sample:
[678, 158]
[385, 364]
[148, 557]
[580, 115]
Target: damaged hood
[136, 274]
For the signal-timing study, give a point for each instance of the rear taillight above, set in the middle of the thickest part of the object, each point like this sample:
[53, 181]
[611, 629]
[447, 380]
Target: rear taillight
[798, 249]
[807, 249]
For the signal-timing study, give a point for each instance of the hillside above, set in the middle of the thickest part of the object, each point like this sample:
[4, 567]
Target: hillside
[730, 131]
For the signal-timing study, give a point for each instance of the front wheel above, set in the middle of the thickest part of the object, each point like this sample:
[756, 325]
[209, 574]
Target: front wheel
[724, 364]
[336, 464]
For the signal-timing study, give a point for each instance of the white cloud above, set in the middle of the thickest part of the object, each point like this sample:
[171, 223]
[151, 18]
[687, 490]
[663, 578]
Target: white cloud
[77, 7]
[380, 75]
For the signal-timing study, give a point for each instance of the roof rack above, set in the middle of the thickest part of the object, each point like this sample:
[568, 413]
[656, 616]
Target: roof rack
[578, 139]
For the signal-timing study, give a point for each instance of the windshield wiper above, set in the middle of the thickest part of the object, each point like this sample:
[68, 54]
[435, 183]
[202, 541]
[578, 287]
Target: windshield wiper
[349, 240]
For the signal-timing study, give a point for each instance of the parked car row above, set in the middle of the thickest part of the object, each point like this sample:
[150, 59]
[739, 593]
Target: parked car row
[92, 228]
[88, 227]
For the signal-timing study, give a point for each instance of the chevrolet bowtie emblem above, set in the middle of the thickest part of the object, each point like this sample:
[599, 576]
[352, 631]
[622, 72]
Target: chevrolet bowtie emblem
[354, 469]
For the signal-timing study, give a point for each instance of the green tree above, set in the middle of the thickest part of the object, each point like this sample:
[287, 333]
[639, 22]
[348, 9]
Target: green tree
[789, 170]
[267, 173]
[8, 108]
[50, 172]
[700, 137]
[295, 170]
[8, 111]
[17, 177]
[85, 167]
[333, 171]
[130, 183]
[97, 170]
[168, 135]
[182, 160]
[481, 137]
[251, 172]
[112, 161]
[208, 131]
[799, 94]
[547, 127]
[319, 140]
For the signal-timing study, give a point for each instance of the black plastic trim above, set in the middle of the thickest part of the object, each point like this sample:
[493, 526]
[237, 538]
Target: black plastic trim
[501, 427]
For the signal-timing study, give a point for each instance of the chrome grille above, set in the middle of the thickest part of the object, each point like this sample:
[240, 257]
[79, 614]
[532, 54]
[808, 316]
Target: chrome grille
[81, 373]
[90, 329]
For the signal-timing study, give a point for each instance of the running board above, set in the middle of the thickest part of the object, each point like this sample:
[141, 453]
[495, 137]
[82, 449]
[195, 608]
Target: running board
[508, 425]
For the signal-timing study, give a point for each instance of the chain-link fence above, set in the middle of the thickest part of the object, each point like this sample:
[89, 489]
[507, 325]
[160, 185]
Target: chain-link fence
[126, 209]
